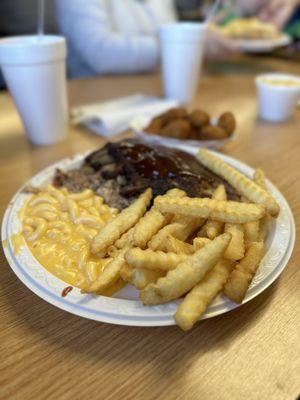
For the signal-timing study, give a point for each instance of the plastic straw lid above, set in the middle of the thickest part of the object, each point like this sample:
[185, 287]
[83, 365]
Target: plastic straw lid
[34, 49]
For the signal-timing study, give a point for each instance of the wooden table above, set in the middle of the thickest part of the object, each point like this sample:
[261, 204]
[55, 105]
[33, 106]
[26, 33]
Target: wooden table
[250, 353]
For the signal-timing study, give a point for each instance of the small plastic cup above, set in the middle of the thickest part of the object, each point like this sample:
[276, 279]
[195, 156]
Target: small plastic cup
[278, 95]
[34, 69]
[182, 46]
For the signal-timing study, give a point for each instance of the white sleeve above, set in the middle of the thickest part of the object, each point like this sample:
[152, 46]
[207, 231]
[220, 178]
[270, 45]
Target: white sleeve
[88, 29]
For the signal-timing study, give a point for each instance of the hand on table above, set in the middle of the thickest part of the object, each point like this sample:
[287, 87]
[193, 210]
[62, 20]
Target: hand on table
[218, 46]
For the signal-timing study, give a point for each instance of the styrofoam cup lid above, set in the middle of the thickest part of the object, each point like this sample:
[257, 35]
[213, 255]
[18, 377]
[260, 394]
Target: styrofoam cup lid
[33, 49]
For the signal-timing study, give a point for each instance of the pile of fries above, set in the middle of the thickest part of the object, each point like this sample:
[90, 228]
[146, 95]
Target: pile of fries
[191, 247]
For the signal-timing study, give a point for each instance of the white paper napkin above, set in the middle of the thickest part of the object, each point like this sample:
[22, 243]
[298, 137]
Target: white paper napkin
[113, 117]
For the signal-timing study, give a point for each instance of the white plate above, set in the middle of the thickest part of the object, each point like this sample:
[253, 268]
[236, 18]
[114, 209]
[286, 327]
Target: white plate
[139, 123]
[262, 45]
[124, 308]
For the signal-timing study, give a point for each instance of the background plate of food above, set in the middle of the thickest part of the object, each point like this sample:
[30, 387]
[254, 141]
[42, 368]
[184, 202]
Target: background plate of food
[66, 241]
[254, 36]
[177, 127]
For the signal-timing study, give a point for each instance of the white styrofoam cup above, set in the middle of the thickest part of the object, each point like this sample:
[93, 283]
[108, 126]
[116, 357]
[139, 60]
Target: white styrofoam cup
[277, 102]
[182, 46]
[34, 69]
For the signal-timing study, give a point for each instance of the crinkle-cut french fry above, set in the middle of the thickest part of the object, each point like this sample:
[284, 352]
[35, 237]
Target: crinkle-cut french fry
[109, 276]
[236, 247]
[175, 229]
[225, 211]
[126, 273]
[215, 228]
[122, 223]
[125, 239]
[143, 277]
[202, 232]
[240, 182]
[251, 231]
[128, 236]
[177, 246]
[200, 242]
[158, 240]
[260, 178]
[187, 219]
[112, 251]
[148, 226]
[187, 274]
[173, 193]
[198, 299]
[220, 193]
[176, 193]
[240, 278]
[264, 226]
[118, 285]
[191, 224]
[264, 223]
[149, 259]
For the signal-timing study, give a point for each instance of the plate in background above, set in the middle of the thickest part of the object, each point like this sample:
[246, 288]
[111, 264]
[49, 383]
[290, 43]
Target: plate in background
[262, 45]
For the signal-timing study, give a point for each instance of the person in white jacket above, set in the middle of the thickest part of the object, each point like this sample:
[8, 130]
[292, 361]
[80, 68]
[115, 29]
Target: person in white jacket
[112, 36]
[115, 36]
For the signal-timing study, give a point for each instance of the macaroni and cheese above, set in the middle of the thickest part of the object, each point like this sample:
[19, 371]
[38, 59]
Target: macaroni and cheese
[58, 227]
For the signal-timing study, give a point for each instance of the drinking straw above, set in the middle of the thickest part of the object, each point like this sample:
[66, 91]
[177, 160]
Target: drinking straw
[41, 17]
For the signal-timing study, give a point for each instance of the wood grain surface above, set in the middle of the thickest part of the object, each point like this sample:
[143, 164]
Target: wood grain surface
[250, 353]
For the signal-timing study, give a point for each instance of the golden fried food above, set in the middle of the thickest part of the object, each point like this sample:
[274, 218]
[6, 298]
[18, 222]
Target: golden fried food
[174, 113]
[125, 239]
[178, 123]
[212, 132]
[224, 211]
[227, 122]
[181, 229]
[195, 134]
[179, 128]
[175, 192]
[250, 28]
[187, 274]
[155, 126]
[236, 248]
[198, 299]
[112, 251]
[109, 276]
[192, 222]
[199, 118]
[126, 272]
[147, 227]
[260, 179]
[251, 231]
[240, 278]
[122, 223]
[158, 240]
[264, 224]
[177, 246]
[240, 182]
[264, 227]
[149, 259]
[215, 228]
[141, 277]
[200, 242]
[202, 231]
